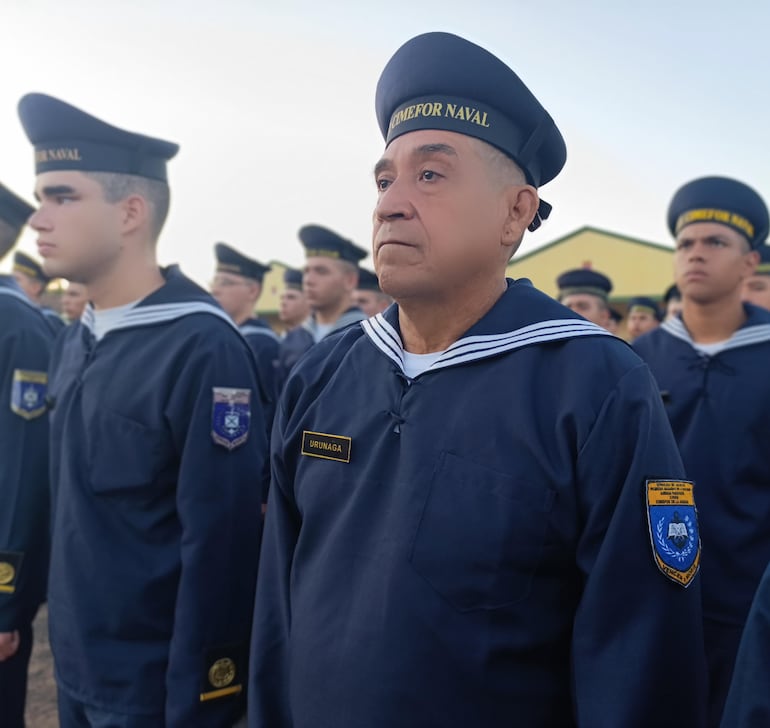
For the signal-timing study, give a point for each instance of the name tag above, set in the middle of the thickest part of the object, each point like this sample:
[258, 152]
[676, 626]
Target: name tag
[328, 447]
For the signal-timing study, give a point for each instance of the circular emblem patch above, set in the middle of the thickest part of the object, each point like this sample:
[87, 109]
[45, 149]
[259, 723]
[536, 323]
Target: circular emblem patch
[222, 673]
[7, 572]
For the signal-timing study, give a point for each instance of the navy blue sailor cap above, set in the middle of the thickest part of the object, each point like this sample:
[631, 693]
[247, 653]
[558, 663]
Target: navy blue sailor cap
[13, 209]
[320, 241]
[23, 263]
[367, 281]
[721, 200]
[441, 81]
[66, 139]
[292, 278]
[644, 304]
[229, 260]
[672, 293]
[584, 280]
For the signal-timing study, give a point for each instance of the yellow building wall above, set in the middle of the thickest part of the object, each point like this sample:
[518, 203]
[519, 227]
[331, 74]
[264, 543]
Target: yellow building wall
[636, 267]
[272, 285]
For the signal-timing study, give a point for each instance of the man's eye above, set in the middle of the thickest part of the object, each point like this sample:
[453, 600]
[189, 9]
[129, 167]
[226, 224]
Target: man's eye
[429, 175]
[383, 184]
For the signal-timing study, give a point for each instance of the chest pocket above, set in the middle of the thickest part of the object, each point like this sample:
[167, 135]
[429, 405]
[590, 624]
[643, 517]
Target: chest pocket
[124, 454]
[481, 535]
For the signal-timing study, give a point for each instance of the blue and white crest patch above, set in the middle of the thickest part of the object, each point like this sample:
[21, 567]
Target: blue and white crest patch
[230, 416]
[674, 533]
[28, 392]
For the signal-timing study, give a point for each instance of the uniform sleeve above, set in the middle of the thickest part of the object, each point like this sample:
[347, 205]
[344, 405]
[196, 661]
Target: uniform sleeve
[219, 506]
[748, 702]
[268, 688]
[265, 350]
[24, 491]
[637, 649]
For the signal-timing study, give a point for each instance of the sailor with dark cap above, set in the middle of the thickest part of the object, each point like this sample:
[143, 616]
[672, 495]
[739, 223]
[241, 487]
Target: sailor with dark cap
[615, 320]
[25, 343]
[672, 300]
[31, 278]
[329, 279]
[586, 292]
[158, 446]
[293, 308]
[711, 365]
[237, 286]
[458, 532]
[369, 297]
[643, 316]
[756, 288]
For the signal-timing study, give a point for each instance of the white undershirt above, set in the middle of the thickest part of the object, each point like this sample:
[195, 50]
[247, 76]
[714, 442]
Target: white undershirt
[416, 364]
[321, 330]
[710, 349]
[105, 319]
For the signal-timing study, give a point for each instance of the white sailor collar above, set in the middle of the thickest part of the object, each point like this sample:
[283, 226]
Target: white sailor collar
[754, 331]
[150, 315]
[516, 329]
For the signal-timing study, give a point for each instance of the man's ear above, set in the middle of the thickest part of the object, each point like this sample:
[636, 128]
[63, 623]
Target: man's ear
[751, 261]
[351, 280]
[135, 211]
[255, 289]
[521, 203]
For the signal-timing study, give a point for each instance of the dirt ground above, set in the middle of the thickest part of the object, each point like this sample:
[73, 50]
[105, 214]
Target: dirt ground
[41, 690]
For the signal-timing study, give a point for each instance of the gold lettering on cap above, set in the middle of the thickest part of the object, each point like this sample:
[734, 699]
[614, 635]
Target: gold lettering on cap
[58, 154]
[413, 111]
[467, 113]
[733, 219]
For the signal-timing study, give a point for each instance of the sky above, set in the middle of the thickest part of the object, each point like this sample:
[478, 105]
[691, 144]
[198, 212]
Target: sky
[273, 104]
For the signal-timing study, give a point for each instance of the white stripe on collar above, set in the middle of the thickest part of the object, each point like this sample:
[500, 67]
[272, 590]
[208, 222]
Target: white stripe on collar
[473, 348]
[250, 329]
[160, 313]
[742, 337]
[18, 294]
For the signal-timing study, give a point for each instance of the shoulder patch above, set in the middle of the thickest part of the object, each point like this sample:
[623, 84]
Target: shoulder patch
[230, 416]
[28, 392]
[674, 532]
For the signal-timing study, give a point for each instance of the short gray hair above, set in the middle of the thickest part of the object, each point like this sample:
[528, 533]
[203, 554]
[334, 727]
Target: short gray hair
[506, 171]
[117, 187]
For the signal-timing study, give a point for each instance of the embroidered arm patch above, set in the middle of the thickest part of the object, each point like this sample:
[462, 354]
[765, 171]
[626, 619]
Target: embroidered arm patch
[673, 525]
[28, 393]
[230, 416]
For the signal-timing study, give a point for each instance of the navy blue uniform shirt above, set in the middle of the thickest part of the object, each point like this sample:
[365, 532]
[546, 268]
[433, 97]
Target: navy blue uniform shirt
[302, 338]
[263, 342]
[748, 701]
[25, 347]
[158, 464]
[719, 408]
[472, 547]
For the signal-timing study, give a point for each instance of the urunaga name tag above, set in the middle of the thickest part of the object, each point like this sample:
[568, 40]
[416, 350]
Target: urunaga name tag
[328, 447]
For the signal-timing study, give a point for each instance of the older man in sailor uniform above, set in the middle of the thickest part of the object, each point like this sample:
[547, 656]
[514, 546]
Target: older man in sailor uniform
[467, 490]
